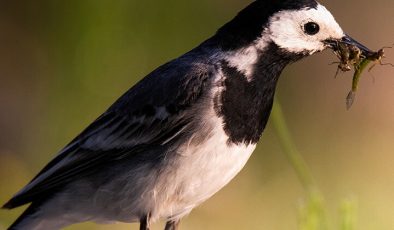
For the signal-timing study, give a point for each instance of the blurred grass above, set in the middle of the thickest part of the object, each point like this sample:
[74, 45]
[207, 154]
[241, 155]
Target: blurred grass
[312, 211]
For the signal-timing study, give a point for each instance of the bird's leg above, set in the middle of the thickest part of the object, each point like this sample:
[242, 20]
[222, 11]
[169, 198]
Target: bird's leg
[145, 222]
[172, 225]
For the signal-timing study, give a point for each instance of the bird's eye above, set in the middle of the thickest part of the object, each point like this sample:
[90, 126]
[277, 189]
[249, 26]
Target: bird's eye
[311, 28]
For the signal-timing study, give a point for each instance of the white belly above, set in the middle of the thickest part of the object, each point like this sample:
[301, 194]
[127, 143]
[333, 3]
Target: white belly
[200, 171]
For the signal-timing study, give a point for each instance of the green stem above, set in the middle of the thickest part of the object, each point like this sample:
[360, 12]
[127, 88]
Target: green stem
[289, 148]
[312, 213]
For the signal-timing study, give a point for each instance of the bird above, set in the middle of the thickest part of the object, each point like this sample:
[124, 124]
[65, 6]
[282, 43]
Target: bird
[185, 130]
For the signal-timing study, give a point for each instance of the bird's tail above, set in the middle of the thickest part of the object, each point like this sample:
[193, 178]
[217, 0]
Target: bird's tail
[25, 221]
[34, 219]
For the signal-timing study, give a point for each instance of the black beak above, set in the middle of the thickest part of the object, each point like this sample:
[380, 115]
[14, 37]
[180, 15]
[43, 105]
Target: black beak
[334, 44]
[350, 41]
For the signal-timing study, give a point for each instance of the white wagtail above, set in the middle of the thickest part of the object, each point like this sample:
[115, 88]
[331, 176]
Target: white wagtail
[185, 130]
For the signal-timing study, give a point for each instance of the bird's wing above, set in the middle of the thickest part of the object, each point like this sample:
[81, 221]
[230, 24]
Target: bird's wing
[150, 115]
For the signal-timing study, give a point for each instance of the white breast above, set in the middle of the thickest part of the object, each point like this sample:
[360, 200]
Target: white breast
[201, 170]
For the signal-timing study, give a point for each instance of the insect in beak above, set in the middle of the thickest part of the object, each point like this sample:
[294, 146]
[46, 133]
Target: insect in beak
[352, 54]
[350, 41]
[335, 44]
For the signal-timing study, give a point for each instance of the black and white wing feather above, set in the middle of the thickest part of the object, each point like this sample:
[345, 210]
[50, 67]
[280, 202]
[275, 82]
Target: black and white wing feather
[152, 114]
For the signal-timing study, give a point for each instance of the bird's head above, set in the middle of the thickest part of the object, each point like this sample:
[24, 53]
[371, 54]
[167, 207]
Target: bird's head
[307, 29]
[301, 27]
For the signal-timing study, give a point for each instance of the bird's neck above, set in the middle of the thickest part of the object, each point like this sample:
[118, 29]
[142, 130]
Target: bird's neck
[250, 78]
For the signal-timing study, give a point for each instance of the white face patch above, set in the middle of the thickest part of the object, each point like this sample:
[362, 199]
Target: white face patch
[286, 29]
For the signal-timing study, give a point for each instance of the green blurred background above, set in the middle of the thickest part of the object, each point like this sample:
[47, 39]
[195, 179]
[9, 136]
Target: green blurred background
[63, 62]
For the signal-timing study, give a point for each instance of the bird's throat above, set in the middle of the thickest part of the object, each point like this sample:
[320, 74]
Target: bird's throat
[245, 102]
